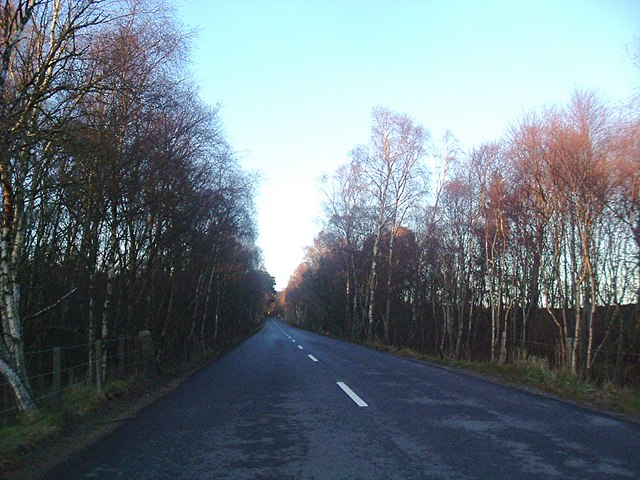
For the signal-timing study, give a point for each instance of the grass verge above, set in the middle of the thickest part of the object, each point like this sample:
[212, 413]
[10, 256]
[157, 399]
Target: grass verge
[536, 376]
[21, 436]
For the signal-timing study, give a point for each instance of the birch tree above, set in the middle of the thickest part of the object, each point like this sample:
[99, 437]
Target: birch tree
[396, 178]
[348, 219]
[42, 46]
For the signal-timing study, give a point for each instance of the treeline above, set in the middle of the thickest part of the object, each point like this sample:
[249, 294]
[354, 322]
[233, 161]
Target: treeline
[124, 208]
[529, 245]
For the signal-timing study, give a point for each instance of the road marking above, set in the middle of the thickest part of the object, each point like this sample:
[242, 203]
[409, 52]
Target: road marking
[293, 340]
[300, 347]
[352, 394]
[312, 358]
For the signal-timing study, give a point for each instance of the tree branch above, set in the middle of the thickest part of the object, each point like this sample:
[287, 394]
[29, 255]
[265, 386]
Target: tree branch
[50, 307]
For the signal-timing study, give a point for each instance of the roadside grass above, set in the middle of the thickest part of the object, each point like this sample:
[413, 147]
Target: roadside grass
[24, 434]
[537, 376]
[19, 437]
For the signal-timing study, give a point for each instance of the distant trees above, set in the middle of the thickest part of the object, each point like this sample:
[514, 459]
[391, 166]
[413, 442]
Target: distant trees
[367, 201]
[382, 182]
[396, 180]
[124, 208]
[529, 246]
[348, 214]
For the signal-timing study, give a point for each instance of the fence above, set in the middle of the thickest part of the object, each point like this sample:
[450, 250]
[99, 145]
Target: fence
[57, 372]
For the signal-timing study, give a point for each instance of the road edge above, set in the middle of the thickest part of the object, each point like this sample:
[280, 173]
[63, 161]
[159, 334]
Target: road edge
[591, 407]
[35, 463]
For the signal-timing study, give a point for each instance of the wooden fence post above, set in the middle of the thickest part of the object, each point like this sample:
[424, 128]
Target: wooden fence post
[137, 354]
[502, 357]
[56, 389]
[146, 345]
[99, 365]
[568, 354]
[121, 358]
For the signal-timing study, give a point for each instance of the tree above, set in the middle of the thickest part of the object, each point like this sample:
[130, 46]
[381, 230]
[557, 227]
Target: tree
[527, 154]
[348, 219]
[396, 181]
[42, 47]
[124, 208]
[530, 247]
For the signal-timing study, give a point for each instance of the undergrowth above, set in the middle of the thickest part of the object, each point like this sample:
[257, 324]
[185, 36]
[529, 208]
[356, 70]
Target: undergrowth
[25, 433]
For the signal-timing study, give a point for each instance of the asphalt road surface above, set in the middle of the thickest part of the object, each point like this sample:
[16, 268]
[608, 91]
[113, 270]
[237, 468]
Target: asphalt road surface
[291, 404]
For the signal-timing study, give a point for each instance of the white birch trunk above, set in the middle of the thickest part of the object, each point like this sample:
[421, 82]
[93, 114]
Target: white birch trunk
[20, 388]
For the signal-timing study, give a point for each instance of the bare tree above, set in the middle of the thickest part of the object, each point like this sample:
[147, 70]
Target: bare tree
[396, 178]
[531, 245]
[348, 217]
[41, 47]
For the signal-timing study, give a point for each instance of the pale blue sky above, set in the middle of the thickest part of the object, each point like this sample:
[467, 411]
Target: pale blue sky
[297, 81]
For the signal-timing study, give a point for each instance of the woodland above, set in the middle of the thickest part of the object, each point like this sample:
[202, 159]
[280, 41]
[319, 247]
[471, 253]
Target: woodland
[527, 247]
[124, 208]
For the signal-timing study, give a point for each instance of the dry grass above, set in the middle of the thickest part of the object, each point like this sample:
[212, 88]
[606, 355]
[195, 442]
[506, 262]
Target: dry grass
[536, 375]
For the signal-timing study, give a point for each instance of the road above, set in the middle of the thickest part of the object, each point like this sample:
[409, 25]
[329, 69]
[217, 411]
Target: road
[274, 408]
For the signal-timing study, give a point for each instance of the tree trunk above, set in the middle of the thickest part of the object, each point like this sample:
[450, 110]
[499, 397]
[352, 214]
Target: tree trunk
[20, 389]
[387, 310]
[373, 282]
[12, 243]
[108, 309]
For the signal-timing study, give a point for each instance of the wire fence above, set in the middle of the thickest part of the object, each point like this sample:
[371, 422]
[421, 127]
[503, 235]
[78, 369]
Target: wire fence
[595, 349]
[56, 374]
[602, 363]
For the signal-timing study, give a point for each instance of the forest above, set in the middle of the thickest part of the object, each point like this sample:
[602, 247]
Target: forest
[124, 208]
[527, 247]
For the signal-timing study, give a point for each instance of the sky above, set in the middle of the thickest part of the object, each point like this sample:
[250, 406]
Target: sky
[297, 81]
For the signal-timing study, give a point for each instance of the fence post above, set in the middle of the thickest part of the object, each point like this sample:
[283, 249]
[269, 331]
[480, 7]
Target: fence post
[146, 345]
[502, 357]
[99, 365]
[56, 389]
[568, 354]
[121, 358]
[137, 354]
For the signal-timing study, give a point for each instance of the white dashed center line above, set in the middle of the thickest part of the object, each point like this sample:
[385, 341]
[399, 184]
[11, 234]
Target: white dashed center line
[352, 395]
